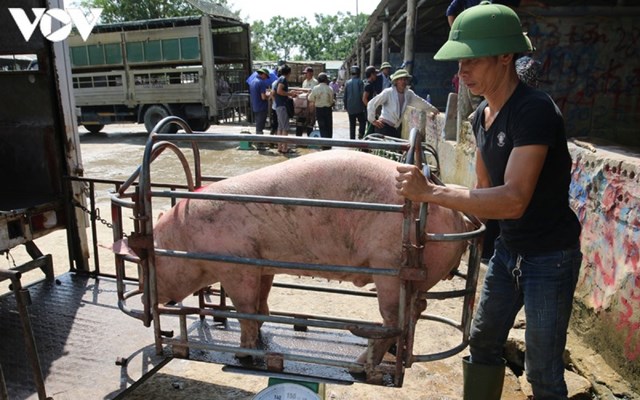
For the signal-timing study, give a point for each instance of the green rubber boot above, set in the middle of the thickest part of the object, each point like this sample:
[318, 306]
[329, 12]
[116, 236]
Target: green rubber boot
[482, 382]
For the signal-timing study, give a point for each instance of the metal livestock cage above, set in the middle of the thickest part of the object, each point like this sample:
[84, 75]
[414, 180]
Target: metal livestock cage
[200, 341]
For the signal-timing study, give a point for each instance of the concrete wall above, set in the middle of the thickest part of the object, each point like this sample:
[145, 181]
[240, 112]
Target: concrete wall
[605, 194]
[590, 60]
[590, 67]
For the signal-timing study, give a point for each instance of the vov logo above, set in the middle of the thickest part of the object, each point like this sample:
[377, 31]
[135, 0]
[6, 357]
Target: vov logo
[66, 19]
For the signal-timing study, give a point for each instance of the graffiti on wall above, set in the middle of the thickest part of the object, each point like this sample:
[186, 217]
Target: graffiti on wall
[587, 71]
[606, 196]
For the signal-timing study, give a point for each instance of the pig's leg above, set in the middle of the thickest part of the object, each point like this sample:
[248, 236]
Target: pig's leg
[388, 301]
[266, 281]
[244, 289]
[388, 304]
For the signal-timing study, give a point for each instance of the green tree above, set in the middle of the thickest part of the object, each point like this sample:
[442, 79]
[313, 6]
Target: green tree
[281, 36]
[258, 40]
[135, 10]
[331, 38]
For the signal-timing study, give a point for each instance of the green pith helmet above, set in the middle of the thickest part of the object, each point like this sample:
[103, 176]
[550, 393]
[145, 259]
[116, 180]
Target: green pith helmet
[484, 30]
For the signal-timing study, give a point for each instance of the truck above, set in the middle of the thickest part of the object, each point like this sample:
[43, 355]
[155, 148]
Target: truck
[143, 71]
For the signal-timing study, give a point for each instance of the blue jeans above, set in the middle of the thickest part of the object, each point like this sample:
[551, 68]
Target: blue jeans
[545, 288]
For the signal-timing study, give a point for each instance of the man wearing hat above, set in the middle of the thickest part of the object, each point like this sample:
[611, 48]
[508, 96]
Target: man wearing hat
[394, 100]
[322, 97]
[259, 92]
[384, 77]
[523, 171]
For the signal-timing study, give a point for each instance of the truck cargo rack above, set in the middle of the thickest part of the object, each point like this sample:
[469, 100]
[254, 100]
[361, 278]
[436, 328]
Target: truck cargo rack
[209, 343]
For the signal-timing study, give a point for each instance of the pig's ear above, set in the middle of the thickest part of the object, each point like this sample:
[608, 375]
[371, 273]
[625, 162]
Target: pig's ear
[122, 248]
[160, 214]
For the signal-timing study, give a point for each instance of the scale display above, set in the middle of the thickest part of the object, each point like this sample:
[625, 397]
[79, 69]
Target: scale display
[286, 391]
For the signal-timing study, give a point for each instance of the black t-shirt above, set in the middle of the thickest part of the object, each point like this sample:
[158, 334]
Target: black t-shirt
[370, 87]
[531, 117]
[282, 100]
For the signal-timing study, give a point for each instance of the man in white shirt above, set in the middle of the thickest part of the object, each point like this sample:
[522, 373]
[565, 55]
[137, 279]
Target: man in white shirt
[394, 100]
[306, 122]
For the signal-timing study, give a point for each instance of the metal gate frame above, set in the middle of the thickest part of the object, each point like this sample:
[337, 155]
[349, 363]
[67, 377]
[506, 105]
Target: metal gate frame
[138, 198]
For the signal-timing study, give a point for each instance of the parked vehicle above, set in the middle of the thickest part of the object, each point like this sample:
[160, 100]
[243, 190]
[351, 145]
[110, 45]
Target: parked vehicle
[143, 71]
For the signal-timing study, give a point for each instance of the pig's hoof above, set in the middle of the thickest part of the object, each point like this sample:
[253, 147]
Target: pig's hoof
[358, 372]
[362, 358]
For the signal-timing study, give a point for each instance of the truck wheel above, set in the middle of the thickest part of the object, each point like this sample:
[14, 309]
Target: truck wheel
[93, 128]
[199, 125]
[155, 114]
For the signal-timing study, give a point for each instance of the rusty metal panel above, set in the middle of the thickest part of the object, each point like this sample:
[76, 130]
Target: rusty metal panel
[30, 152]
[11, 38]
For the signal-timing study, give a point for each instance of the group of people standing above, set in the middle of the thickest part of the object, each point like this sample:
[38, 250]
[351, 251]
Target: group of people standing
[376, 103]
[319, 93]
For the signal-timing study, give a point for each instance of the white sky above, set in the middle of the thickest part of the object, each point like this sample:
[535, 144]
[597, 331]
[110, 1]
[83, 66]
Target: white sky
[253, 10]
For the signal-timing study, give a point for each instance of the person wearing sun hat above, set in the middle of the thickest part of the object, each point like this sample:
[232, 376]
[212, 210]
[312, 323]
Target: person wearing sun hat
[394, 101]
[523, 173]
[384, 76]
[322, 97]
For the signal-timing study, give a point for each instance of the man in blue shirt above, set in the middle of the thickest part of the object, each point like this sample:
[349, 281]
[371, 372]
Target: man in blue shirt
[259, 94]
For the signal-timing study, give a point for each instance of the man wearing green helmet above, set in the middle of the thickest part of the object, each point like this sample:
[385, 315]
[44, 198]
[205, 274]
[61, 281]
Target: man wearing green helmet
[523, 171]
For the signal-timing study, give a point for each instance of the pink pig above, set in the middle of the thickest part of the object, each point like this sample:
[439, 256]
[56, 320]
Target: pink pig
[300, 234]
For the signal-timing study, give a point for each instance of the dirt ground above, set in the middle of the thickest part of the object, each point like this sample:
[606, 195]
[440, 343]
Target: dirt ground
[117, 152]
